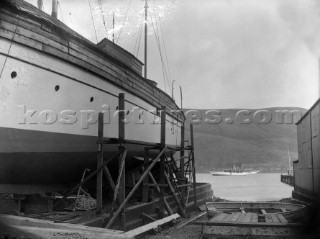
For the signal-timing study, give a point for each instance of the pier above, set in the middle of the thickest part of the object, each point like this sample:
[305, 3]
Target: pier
[288, 178]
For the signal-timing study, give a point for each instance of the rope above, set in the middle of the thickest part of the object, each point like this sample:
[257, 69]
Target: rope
[11, 43]
[165, 52]
[125, 18]
[103, 19]
[138, 40]
[164, 45]
[95, 32]
[164, 72]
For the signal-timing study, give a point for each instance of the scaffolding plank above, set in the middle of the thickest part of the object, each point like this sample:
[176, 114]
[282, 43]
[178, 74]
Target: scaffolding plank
[218, 218]
[268, 218]
[254, 217]
[153, 225]
[227, 218]
[248, 217]
[274, 218]
[241, 217]
[235, 216]
[282, 218]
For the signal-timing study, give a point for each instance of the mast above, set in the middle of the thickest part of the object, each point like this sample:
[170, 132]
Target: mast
[181, 97]
[54, 12]
[289, 157]
[113, 27]
[145, 37]
[172, 90]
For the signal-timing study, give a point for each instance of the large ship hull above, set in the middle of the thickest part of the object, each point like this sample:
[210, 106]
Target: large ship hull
[50, 100]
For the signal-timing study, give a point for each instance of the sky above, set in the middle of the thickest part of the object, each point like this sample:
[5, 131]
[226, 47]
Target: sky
[223, 53]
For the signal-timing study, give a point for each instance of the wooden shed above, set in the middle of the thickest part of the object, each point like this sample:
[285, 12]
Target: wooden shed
[307, 167]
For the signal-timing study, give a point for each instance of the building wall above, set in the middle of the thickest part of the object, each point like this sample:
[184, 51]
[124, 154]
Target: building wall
[307, 168]
[315, 128]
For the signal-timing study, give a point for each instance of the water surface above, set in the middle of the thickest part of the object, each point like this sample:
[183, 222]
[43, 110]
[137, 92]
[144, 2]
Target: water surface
[256, 187]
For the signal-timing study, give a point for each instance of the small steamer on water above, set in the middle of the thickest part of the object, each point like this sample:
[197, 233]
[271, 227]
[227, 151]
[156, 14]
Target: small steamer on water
[233, 172]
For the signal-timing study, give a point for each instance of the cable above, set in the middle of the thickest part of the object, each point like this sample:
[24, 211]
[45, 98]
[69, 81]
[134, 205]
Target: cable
[11, 43]
[102, 15]
[93, 21]
[168, 81]
[165, 66]
[138, 40]
[125, 18]
[164, 73]
[165, 50]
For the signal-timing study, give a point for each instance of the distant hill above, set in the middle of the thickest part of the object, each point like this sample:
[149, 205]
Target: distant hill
[255, 144]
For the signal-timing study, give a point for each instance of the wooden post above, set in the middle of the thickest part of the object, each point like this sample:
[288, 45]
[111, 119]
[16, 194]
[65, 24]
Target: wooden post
[99, 164]
[183, 189]
[145, 189]
[175, 196]
[145, 174]
[87, 178]
[193, 170]
[117, 187]
[169, 210]
[162, 161]
[122, 186]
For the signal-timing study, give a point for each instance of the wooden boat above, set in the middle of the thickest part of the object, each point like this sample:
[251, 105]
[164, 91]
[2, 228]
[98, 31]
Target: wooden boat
[53, 83]
[253, 218]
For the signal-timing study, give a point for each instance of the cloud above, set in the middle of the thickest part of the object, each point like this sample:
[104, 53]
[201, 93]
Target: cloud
[224, 53]
[243, 53]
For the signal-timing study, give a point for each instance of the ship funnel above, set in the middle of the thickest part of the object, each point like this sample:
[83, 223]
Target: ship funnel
[54, 12]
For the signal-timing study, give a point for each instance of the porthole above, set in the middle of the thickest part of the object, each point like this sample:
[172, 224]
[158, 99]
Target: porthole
[13, 74]
[128, 112]
[56, 88]
[91, 99]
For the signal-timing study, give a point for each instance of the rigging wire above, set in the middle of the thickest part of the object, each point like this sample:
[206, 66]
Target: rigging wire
[138, 40]
[165, 50]
[125, 18]
[165, 66]
[95, 32]
[103, 19]
[161, 54]
[164, 73]
[139, 44]
[166, 63]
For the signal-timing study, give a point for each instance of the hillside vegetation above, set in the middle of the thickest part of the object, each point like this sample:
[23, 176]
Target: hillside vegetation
[256, 144]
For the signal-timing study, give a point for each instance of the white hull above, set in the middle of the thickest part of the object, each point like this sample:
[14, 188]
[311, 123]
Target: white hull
[53, 84]
[219, 173]
[33, 89]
